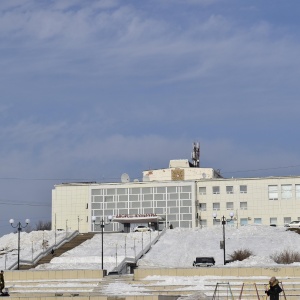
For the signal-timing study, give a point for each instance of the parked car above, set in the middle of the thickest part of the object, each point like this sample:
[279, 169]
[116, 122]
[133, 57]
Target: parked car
[204, 262]
[141, 228]
[294, 224]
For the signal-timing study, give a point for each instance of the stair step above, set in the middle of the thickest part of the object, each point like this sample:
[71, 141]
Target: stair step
[76, 241]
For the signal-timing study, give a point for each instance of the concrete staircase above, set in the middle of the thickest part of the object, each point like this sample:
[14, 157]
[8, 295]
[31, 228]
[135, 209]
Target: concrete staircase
[123, 286]
[79, 239]
[185, 289]
[113, 285]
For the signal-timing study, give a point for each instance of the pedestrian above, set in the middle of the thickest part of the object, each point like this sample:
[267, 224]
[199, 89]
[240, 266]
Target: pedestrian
[273, 289]
[2, 283]
[52, 252]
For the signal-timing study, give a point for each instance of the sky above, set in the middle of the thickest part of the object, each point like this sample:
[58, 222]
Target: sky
[177, 248]
[93, 89]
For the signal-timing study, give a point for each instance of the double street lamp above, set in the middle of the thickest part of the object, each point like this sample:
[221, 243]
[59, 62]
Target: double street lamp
[102, 224]
[19, 226]
[224, 221]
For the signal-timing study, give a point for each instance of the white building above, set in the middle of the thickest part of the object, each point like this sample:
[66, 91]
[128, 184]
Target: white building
[183, 195]
[268, 200]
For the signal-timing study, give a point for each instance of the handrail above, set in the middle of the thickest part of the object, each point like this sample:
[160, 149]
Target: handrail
[42, 254]
[130, 260]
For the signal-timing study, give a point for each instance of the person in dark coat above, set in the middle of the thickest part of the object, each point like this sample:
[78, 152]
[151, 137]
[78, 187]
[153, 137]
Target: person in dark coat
[273, 289]
[2, 283]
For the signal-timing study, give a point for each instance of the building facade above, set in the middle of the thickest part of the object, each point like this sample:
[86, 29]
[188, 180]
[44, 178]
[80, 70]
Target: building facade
[172, 202]
[266, 201]
[182, 196]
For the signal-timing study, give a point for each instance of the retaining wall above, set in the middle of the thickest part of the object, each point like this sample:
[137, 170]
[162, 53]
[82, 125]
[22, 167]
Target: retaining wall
[141, 273]
[52, 274]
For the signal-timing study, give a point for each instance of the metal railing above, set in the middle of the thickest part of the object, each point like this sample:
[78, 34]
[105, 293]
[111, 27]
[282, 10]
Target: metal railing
[122, 267]
[44, 253]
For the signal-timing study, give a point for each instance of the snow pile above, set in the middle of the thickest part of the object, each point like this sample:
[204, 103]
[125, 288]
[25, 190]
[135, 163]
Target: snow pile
[180, 247]
[176, 248]
[31, 245]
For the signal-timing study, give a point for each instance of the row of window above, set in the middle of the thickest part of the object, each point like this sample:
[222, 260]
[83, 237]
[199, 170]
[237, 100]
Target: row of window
[229, 189]
[142, 190]
[285, 190]
[184, 205]
[246, 221]
[134, 211]
[229, 206]
[140, 198]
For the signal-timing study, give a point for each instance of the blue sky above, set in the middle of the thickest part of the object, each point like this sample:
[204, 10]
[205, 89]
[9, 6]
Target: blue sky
[92, 89]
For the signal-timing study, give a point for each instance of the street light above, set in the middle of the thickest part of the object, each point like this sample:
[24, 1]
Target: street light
[102, 224]
[224, 221]
[78, 220]
[19, 226]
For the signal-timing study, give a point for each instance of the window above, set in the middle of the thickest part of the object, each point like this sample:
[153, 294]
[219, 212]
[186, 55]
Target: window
[108, 198]
[287, 220]
[110, 191]
[257, 220]
[121, 191]
[243, 189]
[202, 206]
[298, 191]
[96, 192]
[216, 190]
[273, 221]
[273, 192]
[229, 189]
[135, 190]
[243, 205]
[230, 222]
[161, 190]
[286, 191]
[243, 221]
[229, 205]
[216, 206]
[202, 190]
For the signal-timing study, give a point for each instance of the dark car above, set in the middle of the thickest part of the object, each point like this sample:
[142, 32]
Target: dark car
[204, 262]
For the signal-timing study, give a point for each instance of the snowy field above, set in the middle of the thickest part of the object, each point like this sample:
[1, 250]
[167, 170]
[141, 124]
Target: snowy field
[176, 248]
[179, 247]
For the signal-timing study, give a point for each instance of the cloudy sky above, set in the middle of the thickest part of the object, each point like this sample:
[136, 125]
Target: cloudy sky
[92, 89]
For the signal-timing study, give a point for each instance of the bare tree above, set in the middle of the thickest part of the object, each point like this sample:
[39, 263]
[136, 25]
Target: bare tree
[43, 225]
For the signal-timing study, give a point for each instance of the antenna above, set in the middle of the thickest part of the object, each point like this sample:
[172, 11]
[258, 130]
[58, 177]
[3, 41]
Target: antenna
[125, 178]
[196, 155]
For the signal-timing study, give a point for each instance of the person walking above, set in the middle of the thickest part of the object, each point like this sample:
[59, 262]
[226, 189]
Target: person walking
[273, 289]
[2, 283]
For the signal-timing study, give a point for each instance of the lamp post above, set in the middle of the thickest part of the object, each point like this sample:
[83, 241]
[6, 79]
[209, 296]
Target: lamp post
[67, 228]
[19, 226]
[224, 221]
[125, 246]
[55, 229]
[78, 220]
[102, 224]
